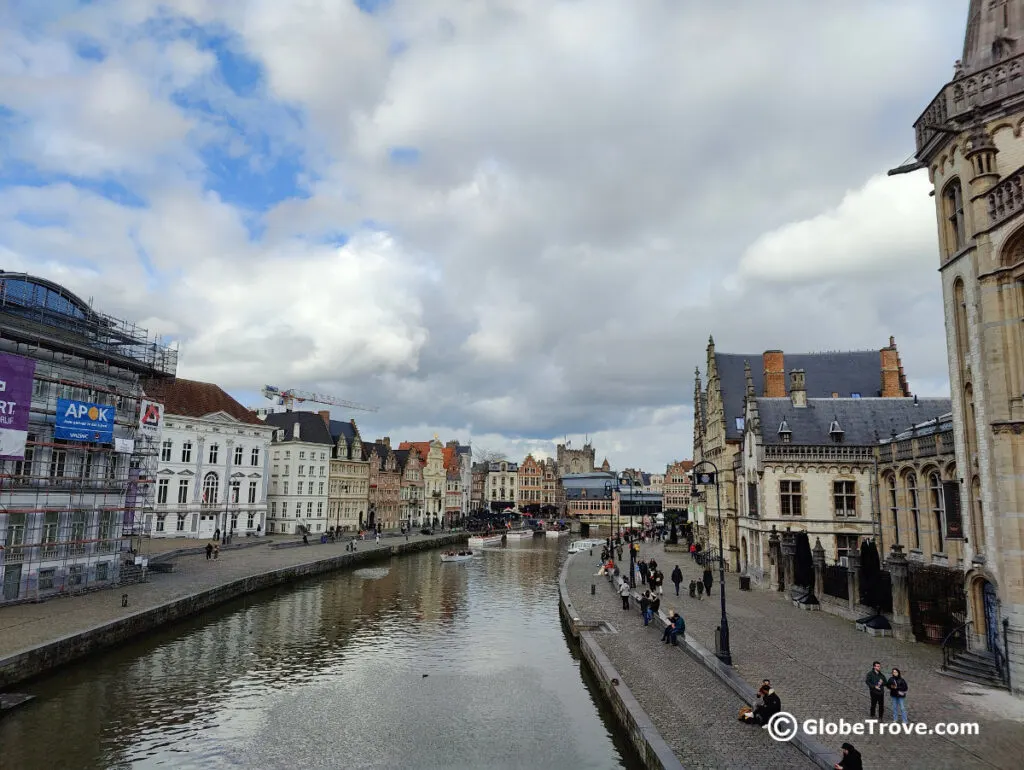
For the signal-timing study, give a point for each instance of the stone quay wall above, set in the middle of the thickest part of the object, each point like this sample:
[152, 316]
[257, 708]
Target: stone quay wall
[643, 735]
[41, 659]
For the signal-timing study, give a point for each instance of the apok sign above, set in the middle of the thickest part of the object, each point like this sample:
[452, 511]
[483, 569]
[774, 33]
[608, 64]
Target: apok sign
[83, 421]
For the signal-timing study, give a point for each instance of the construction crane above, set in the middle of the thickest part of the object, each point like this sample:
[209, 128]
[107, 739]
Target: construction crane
[288, 397]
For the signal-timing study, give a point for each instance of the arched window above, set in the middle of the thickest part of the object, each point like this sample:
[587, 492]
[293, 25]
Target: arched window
[960, 323]
[971, 431]
[894, 509]
[938, 508]
[953, 216]
[211, 487]
[915, 508]
[977, 516]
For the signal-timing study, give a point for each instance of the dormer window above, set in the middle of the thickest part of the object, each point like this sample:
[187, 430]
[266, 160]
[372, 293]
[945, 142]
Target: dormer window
[785, 434]
[835, 432]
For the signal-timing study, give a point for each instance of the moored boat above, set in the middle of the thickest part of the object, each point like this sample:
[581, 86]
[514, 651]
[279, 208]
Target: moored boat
[457, 556]
[479, 541]
[519, 534]
[556, 532]
[584, 545]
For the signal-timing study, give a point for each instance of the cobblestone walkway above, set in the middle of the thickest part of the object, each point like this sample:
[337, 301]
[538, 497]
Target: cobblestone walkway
[23, 626]
[817, 663]
[694, 711]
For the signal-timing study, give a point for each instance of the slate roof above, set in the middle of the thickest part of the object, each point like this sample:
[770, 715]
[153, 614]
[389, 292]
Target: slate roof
[593, 484]
[343, 428]
[312, 428]
[827, 373]
[401, 457]
[190, 398]
[942, 424]
[864, 420]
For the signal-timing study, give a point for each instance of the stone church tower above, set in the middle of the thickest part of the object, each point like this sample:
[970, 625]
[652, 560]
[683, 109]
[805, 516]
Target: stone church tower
[575, 460]
[970, 141]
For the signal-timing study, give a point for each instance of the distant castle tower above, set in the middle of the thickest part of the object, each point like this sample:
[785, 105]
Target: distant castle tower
[575, 460]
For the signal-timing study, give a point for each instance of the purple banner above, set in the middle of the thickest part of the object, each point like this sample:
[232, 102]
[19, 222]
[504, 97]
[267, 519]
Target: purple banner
[15, 402]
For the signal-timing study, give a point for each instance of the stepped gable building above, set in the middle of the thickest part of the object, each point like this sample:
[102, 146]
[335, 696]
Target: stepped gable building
[348, 504]
[435, 477]
[385, 483]
[676, 489]
[72, 498]
[809, 465]
[719, 426]
[211, 479]
[969, 140]
[299, 464]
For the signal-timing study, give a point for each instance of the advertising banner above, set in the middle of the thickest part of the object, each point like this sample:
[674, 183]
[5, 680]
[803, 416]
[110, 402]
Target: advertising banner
[82, 421]
[151, 418]
[15, 401]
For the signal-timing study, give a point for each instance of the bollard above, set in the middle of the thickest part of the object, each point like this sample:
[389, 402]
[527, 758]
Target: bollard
[593, 589]
[124, 600]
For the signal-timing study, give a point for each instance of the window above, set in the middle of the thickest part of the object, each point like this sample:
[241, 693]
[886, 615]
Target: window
[112, 460]
[915, 510]
[846, 545]
[103, 571]
[182, 491]
[894, 510]
[46, 577]
[321, 490]
[77, 532]
[790, 500]
[302, 470]
[161, 491]
[87, 464]
[161, 522]
[254, 458]
[211, 488]
[186, 452]
[286, 487]
[309, 509]
[844, 497]
[953, 211]
[75, 574]
[273, 509]
[214, 453]
[320, 510]
[165, 451]
[252, 491]
[23, 468]
[180, 524]
[938, 505]
[302, 455]
[236, 491]
[58, 463]
[284, 510]
[287, 454]
[238, 455]
[250, 521]
[323, 470]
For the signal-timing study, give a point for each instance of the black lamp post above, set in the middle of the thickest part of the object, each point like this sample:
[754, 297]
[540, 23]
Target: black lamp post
[705, 479]
[632, 554]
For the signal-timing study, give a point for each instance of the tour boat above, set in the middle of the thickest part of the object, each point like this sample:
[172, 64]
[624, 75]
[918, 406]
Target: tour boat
[479, 541]
[519, 534]
[556, 532]
[584, 545]
[457, 556]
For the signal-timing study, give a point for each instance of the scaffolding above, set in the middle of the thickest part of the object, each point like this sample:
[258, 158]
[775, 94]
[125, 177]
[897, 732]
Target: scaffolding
[69, 509]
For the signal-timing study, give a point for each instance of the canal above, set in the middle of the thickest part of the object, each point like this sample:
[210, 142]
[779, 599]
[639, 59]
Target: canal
[409, 664]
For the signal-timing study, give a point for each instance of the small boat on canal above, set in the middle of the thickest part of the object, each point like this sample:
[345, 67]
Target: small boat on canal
[519, 534]
[456, 556]
[556, 532]
[479, 541]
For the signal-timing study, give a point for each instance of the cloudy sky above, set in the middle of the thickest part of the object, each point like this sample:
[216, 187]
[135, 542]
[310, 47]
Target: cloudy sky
[499, 220]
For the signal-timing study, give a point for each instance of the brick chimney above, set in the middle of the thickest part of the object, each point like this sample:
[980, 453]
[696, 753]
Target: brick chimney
[894, 381]
[325, 415]
[798, 388]
[774, 374]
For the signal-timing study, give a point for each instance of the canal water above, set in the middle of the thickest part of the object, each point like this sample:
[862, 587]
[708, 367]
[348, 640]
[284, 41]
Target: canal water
[409, 664]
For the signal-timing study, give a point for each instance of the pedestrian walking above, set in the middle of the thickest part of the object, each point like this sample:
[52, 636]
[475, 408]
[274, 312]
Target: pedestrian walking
[677, 578]
[209, 551]
[708, 580]
[851, 759]
[898, 695]
[378, 538]
[645, 606]
[655, 606]
[624, 593]
[216, 550]
[659, 582]
[875, 680]
[700, 589]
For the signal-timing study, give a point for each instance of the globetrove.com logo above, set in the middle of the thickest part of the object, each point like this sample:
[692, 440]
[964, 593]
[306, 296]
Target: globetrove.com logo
[784, 726]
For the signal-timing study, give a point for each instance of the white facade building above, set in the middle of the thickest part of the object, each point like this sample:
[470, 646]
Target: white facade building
[211, 480]
[299, 473]
[501, 485]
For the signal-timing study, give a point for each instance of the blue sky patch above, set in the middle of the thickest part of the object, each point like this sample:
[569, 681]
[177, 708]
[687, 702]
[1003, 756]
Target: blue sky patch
[256, 179]
[372, 6]
[404, 156]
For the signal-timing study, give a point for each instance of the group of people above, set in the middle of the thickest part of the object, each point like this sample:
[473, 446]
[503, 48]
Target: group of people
[878, 684]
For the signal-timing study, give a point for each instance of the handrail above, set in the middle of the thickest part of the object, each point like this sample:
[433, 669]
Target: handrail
[959, 633]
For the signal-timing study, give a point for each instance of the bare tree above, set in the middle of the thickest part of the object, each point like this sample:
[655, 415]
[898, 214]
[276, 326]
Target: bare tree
[484, 455]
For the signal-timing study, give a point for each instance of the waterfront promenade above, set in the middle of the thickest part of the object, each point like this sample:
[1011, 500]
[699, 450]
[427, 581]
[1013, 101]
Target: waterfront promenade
[694, 712]
[24, 626]
[817, 663]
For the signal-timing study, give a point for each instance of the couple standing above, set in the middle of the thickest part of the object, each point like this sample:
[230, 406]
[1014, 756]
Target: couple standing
[897, 687]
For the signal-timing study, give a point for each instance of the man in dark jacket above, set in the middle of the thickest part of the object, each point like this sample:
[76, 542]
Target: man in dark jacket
[708, 580]
[677, 578]
[851, 759]
[875, 680]
[770, 704]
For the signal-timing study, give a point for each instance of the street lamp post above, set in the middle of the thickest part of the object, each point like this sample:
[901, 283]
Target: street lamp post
[705, 479]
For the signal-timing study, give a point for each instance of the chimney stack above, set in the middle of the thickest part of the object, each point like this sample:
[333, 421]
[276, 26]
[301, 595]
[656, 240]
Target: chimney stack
[894, 381]
[774, 374]
[325, 415]
[798, 388]
[296, 431]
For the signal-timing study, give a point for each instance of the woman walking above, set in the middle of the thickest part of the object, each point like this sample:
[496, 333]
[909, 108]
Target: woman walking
[898, 694]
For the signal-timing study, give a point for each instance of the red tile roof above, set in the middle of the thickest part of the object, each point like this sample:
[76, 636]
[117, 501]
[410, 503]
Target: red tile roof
[189, 398]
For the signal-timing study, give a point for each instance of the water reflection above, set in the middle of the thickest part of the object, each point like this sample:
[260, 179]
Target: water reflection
[411, 664]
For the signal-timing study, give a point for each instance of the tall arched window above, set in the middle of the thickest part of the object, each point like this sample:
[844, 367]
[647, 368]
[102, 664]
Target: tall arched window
[894, 509]
[977, 516]
[953, 216]
[938, 508]
[211, 487]
[971, 428]
[960, 323]
[915, 508]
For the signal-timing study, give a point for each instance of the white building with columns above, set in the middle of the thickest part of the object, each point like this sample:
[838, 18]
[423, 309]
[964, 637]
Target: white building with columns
[299, 473]
[211, 477]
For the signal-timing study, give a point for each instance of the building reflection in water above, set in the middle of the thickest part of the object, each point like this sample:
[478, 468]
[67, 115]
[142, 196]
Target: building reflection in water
[400, 664]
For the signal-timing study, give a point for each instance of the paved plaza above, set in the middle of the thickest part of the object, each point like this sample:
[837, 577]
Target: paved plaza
[817, 663]
[23, 626]
[693, 710]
